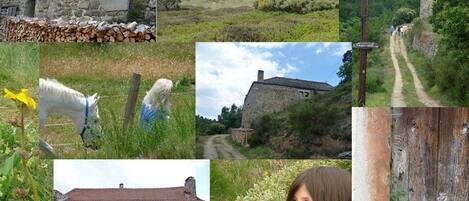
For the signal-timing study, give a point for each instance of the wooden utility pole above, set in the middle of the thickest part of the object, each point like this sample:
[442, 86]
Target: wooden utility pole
[364, 47]
[132, 99]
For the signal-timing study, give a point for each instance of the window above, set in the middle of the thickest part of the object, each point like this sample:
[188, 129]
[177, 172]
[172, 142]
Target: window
[304, 93]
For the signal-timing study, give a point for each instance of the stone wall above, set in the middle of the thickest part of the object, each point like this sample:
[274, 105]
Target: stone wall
[107, 10]
[241, 135]
[265, 98]
[426, 8]
[426, 42]
[24, 7]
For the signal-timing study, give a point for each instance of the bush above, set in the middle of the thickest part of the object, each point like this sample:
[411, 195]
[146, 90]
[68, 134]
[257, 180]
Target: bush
[216, 128]
[298, 6]
[266, 127]
[403, 15]
[275, 187]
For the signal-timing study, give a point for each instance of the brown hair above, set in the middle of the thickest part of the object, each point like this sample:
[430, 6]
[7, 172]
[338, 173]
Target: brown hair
[324, 184]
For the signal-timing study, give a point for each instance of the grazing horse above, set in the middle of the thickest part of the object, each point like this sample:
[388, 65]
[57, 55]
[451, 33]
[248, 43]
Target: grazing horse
[55, 97]
[155, 105]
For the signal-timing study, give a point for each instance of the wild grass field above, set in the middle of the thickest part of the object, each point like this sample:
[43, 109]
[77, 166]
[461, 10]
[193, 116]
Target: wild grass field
[107, 70]
[19, 68]
[238, 20]
[246, 180]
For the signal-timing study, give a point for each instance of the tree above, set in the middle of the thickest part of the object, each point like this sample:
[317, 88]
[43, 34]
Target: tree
[231, 117]
[403, 15]
[345, 71]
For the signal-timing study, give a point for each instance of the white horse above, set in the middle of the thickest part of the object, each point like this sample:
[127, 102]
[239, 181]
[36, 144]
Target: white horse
[155, 105]
[55, 97]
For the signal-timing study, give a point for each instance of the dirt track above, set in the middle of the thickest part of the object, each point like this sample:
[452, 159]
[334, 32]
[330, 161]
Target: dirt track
[217, 147]
[397, 100]
[397, 46]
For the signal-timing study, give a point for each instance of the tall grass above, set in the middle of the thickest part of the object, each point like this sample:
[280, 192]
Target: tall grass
[246, 24]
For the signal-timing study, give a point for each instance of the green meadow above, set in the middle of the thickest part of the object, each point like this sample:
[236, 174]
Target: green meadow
[107, 70]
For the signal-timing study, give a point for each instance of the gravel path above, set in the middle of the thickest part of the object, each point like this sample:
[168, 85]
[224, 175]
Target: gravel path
[216, 145]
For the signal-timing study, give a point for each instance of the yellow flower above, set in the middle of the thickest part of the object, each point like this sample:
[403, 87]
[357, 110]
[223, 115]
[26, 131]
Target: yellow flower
[22, 97]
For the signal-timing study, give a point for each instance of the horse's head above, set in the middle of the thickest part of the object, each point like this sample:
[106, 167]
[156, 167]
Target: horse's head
[91, 132]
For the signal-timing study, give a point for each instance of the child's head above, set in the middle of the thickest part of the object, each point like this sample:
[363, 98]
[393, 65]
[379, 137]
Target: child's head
[322, 184]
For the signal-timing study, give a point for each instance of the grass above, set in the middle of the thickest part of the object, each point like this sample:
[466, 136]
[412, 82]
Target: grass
[199, 146]
[408, 87]
[19, 68]
[420, 61]
[234, 23]
[106, 70]
[259, 179]
[217, 4]
[380, 76]
[259, 152]
[231, 178]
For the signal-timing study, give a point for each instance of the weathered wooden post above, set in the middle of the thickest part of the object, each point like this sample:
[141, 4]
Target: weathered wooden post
[132, 99]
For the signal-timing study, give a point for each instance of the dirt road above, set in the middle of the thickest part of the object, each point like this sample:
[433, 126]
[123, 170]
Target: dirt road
[217, 147]
[397, 100]
[423, 97]
[396, 46]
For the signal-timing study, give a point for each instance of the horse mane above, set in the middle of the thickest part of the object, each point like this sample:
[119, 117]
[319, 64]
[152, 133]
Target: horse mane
[159, 93]
[54, 88]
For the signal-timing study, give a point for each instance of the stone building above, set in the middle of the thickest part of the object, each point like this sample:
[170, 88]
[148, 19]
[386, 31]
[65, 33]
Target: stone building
[276, 94]
[108, 10]
[183, 193]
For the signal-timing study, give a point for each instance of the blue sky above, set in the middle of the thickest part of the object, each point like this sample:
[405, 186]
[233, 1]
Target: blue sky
[70, 174]
[225, 71]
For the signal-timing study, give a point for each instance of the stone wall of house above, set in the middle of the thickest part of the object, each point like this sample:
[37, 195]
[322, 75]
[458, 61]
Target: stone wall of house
[264, 98]
[426, 8]
[24, 7]
[241, 135]
[107, 10]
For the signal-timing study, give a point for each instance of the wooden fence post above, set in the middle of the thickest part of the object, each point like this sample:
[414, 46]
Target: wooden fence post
[132, 99]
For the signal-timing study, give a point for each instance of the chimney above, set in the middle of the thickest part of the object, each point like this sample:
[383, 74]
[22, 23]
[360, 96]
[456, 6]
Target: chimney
[121, 185]
[189, 187]
[260, 75]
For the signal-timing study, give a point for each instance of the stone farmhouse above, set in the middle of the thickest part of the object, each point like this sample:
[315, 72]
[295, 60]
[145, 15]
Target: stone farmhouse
[107, 10]
[276, 94]
[183, 193]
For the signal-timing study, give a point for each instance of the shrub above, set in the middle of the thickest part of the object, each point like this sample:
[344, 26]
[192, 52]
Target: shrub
[216, 128]
[276, 186]
[298, 6]
[403, 15]
[266, 127]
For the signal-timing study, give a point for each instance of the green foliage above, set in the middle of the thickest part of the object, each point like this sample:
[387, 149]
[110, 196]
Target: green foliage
[297, 6]
[216, 128]
[169, 4]
[311, 119]
[403, 15]
[266, 127]
[450, 67]
[275, 186]
[450, 19]
[246, 24]
[345, 71]
[231, 117]
[232, 178]
[12, 176]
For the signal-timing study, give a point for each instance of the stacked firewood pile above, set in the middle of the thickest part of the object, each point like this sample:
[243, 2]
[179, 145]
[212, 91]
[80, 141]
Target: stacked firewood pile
[22, 29]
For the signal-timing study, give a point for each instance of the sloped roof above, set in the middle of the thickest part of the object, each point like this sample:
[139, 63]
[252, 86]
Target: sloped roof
[296, 83]
[129, 194]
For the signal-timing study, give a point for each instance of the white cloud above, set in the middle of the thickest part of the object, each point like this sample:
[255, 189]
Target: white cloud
[69, 174]
[225, 71]
[342, 48]
[318, 51]
[268, 45]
